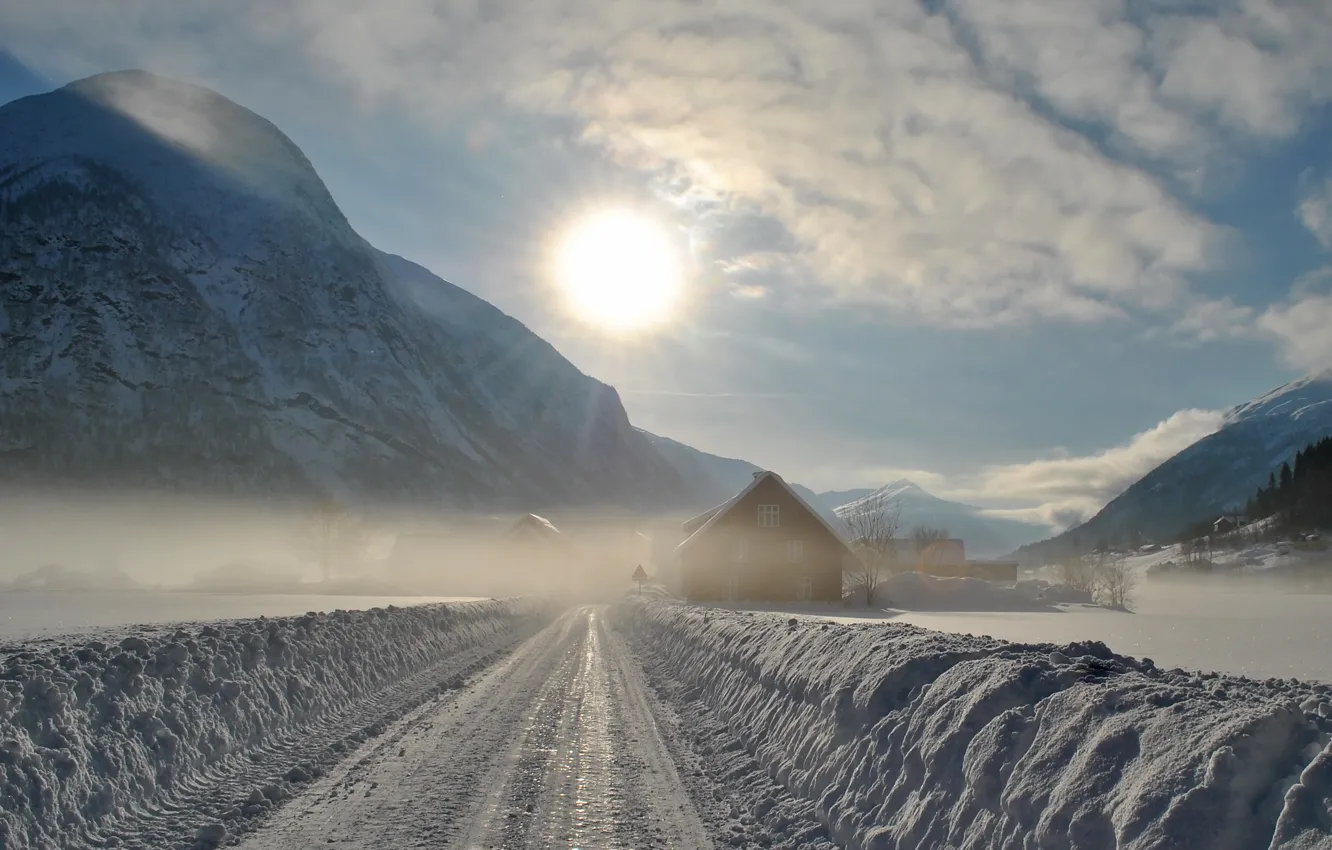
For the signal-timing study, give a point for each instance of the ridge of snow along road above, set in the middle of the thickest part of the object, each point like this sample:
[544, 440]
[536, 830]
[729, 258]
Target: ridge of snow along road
[156, 740]
[900, 737]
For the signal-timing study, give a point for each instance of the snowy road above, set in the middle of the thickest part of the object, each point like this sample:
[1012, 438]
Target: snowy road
[555, 746]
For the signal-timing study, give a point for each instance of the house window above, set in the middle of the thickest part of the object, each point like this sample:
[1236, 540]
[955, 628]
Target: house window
[805, 590]
[769, 516]
[741, 549]
[732, 588]
[795, 551]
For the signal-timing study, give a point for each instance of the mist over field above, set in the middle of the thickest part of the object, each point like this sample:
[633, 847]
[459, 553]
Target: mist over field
[137, 543]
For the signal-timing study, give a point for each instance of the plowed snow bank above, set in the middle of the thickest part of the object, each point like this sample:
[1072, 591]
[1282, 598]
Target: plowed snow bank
[906, 738]
[91, 733]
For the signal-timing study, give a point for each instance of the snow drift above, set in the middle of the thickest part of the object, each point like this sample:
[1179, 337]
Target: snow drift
[97, 738]
[904, 738]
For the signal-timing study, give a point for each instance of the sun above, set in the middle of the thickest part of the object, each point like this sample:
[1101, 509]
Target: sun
[619, 271]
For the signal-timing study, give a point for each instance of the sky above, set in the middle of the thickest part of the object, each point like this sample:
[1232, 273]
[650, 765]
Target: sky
[1019, 252]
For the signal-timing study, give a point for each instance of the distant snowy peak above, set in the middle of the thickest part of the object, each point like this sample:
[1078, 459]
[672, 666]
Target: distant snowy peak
[1306, 397]
[899, 489]
[983, 535]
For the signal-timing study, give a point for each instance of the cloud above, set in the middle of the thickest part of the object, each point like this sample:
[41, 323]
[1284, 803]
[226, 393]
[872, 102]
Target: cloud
[1255, 66]
[907, 172]
[1315, 212]
[1210, 320]
[1302, 330]
[1300, 327]
[940, 162]
[1159, 76]
[1085, 60]
[1069, 488]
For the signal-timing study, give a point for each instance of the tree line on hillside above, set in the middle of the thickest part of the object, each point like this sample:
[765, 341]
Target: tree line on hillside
[1298, 497]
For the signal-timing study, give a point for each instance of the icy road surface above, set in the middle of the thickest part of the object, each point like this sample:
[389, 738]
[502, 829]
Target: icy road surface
[558, 745]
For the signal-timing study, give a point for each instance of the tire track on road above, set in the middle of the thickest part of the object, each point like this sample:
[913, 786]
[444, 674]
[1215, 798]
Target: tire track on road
[558, 746]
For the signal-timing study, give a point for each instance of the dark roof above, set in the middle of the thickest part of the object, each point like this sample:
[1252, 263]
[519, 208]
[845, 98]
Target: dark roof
[699, 525]
[537, 525]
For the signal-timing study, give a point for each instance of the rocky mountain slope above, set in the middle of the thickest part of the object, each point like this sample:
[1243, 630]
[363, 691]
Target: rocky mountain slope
[183, 305]
[984, 536]
[1217, 473]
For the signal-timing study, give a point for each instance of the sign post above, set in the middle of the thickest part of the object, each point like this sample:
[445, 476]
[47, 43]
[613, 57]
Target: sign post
[640, 577]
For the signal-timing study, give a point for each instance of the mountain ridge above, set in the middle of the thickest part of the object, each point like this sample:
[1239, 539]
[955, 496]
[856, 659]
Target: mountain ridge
[1214, 474]
[186, 306]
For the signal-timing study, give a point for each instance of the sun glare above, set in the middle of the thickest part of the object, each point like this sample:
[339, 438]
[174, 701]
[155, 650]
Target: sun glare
[619, 271]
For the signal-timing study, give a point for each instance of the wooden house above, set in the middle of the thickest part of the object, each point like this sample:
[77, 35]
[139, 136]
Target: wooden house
[765, 544]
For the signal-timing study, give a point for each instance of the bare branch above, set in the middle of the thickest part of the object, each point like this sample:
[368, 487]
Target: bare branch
[1074, 572]
[1114, 580]
[872, 527]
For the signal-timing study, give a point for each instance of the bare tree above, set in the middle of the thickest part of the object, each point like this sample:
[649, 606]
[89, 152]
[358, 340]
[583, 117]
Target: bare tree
[1114, 581]
[1074, 572]
[872, 528]
[332, 537]
[1198, 553]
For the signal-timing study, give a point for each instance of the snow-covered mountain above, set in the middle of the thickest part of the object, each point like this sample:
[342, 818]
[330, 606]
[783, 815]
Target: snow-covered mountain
[1220, 471]
[183, 304]
[984, 536]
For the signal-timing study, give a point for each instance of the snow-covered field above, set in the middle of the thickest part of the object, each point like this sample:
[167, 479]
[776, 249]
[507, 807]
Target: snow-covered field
[890, 736]
[1255, 631]
[174, 735]
[1248, 626]
[31, 614]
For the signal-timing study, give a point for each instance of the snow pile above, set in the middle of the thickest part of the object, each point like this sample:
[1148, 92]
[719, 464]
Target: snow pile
[901, 738]
[97, 736]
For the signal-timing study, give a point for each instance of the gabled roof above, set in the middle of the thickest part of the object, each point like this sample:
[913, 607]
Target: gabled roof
[693, 524]
[709, 518]
[537, 524]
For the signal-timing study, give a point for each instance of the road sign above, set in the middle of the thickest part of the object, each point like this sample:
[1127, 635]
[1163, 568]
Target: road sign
[640, 577]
